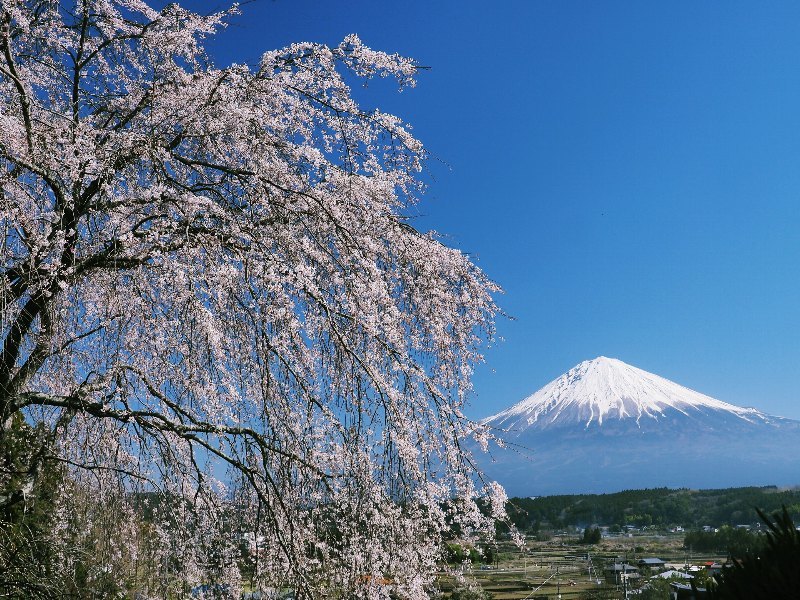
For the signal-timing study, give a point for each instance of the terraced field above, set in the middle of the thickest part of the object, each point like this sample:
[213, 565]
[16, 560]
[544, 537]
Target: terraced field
[562, 569]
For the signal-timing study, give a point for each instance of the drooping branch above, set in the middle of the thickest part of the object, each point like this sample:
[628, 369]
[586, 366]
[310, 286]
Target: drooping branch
[211, 292]
[10, 70]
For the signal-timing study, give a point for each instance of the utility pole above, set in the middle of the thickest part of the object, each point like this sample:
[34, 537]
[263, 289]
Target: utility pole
[558, 584]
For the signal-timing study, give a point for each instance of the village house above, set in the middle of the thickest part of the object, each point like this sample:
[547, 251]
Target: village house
[651, 563]
[673, 574]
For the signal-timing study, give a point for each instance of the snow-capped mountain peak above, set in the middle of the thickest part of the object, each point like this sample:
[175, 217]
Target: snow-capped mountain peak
[606, 426]
[606, 389]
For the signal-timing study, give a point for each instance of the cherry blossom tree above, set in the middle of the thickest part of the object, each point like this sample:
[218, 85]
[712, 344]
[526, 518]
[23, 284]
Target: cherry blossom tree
[217, 314]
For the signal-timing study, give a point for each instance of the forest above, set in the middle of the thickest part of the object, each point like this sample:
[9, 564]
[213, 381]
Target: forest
[659, 508]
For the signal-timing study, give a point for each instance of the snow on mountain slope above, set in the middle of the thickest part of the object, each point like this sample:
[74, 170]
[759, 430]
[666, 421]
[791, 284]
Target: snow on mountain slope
[606, 389]
[605, 426]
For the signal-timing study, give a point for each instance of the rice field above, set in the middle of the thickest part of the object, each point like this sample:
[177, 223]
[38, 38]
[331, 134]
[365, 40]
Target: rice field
[560, 568]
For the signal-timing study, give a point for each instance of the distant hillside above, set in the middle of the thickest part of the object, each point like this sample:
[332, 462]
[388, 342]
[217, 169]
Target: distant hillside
[659, 507]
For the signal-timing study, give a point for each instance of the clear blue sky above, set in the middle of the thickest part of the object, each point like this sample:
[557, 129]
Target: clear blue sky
[629, 172]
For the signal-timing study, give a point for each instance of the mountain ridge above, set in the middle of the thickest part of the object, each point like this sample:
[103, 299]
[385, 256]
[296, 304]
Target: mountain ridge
[606, 389]
[604, 426]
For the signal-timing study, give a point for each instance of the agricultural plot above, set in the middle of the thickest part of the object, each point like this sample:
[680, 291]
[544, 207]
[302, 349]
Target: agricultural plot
[562, 569]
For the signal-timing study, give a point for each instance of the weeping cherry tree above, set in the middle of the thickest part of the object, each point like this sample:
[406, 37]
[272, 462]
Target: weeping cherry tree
[221, 332]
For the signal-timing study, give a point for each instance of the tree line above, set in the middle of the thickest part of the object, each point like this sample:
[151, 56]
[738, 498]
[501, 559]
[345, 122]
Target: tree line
[733, 541]
[660, 507]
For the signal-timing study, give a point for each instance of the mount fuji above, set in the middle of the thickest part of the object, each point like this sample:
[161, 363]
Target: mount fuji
[606, 426]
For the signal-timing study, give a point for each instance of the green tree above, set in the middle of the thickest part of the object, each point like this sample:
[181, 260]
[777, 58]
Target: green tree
[771, 574]
[591, 535]
[28, 550]
[734, 541]
[656, 589]
[455, 553]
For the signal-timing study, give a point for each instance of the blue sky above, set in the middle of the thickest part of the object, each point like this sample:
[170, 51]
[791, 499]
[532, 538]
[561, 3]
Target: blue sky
[629, 172]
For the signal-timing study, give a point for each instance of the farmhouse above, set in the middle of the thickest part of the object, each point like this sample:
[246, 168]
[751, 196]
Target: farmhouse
[673, 574]
[651, 563]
